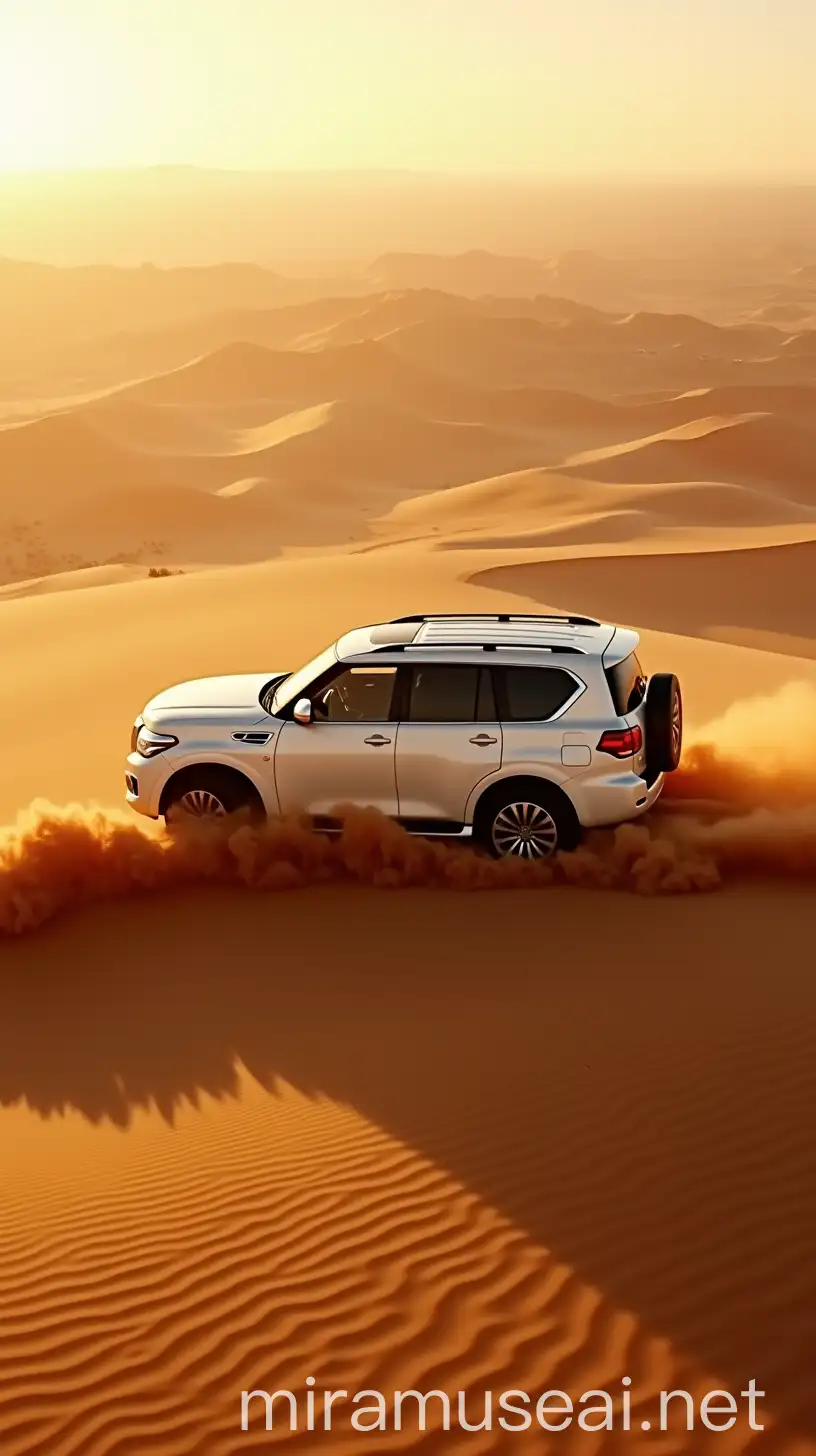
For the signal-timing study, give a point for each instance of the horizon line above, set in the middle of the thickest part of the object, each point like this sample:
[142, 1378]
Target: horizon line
[496, 175]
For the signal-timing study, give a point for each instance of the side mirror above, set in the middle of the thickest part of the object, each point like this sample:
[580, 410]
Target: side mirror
[303, 711]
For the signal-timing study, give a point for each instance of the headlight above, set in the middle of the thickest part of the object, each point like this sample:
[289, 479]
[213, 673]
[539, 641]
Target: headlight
[148, 744]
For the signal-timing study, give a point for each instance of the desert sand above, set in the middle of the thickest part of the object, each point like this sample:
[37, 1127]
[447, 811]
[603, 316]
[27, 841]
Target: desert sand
[371, 1111]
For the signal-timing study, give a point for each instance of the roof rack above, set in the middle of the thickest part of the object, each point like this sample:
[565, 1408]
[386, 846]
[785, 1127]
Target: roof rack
[498, 617]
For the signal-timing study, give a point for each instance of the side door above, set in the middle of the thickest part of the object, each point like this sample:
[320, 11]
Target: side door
[448, 739]
[346, 754]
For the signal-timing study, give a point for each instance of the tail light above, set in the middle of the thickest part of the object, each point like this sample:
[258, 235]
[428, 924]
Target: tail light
[622, 742]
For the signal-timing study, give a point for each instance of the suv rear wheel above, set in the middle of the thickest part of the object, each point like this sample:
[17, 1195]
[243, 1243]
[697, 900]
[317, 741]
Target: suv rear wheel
[664, 723]
[526, 820]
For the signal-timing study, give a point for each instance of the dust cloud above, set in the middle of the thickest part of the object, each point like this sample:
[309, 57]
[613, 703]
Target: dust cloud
[743, 806]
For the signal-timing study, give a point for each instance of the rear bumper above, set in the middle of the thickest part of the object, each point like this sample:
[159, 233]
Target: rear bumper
[614, 798]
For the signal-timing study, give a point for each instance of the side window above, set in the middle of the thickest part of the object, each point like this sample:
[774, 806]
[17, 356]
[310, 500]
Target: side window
[439, 693]
[357, 695]
[627, 684]
[534, 694]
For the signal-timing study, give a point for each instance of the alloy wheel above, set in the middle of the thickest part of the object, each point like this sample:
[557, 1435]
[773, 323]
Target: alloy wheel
[524, 830]
[201, 804]
[676, 726]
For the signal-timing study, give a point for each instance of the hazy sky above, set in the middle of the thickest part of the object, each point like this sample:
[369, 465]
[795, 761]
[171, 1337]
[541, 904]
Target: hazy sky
[658, 87]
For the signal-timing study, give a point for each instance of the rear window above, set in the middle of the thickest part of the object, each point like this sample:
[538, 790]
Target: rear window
[533, 694]
[627, 684]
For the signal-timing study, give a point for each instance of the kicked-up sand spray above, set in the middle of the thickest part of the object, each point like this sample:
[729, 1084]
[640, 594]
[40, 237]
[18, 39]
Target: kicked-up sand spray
[747, 787]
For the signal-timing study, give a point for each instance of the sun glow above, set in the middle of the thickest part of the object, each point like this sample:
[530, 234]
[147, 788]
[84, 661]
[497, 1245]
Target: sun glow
[48, 96]
[594, 89]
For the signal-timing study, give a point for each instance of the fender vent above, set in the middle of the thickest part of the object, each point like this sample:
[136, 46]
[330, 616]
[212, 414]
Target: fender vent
[258, 739]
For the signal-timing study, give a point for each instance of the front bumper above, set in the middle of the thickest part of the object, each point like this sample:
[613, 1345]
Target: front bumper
[145, 779]
[613, 798]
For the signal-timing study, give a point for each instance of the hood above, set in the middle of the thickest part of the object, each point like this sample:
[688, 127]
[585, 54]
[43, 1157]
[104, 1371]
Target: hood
[240, 690]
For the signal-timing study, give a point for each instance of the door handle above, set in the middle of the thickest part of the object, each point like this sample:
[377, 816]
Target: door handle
[483, 739]
[377, 740]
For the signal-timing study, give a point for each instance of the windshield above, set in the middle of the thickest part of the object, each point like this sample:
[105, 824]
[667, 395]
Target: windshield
[296, 684]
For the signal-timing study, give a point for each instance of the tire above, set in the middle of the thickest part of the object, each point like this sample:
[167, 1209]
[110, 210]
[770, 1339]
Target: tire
[664, 723]
[526, 820]
[209, 793]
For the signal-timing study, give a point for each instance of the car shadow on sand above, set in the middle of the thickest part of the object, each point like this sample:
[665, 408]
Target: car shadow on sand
[608, 1072]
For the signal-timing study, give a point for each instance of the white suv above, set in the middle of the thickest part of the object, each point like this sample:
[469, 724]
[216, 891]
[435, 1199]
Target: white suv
[516, 730]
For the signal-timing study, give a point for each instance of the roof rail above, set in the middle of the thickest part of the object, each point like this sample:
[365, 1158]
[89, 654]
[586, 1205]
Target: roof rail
[498, 617]
[559, 648]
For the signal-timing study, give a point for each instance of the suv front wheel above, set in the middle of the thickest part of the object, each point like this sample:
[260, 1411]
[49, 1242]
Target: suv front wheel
[527, 820]
[209, 792]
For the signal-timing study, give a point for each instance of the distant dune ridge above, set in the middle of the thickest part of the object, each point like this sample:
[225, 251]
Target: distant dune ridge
[331, 420]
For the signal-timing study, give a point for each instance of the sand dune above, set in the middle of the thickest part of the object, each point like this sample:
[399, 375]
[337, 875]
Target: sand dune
[602, 355]
[329, 446]
[483, 350]
[785, 314]
[441, 398]
[791, 401]
[372, 369]
[77, 579]
[151, 351]
[350, 441]
[61, 455]
[77, 470]
[179, 430]
[802, 346]
[316, 323]
[46, 306]
[375, 369]
[385, 313]
[658, 329]
[242, 1196]
[166, 522]
[712, 593]
[241, 372]
[145, 437]
[753, 447]
[228, 1177]
[626, 419]
[382, 313]
[473, 273]
[545, 507]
